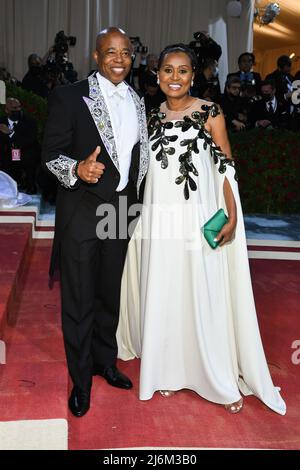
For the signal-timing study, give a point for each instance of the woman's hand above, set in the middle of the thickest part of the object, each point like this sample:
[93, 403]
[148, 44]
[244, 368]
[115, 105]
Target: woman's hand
[227, 233]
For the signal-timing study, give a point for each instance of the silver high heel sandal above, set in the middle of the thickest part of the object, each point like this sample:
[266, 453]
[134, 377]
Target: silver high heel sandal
[166, 393]
[235, 407]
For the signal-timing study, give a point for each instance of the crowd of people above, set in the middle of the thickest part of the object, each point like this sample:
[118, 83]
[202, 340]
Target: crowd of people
[247, 101]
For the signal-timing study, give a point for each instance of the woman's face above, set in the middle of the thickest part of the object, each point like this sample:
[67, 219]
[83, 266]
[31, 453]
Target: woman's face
[176, 74]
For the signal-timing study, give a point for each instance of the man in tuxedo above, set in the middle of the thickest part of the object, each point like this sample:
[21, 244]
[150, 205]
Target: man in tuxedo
[269, 112]
[283, 80]
[234, 106]
[96, 145]
[245, 74]
[19, 146]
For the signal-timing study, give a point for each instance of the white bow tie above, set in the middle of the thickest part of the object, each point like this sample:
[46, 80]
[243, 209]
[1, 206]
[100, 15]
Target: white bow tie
[119, 90]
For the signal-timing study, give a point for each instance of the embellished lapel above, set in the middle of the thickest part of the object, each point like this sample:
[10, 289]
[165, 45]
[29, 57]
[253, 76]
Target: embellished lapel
[100, 115]
[99, 112]
[144, 152]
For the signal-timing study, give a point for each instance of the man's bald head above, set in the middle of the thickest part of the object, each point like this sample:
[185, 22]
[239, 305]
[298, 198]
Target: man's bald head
[110, 31]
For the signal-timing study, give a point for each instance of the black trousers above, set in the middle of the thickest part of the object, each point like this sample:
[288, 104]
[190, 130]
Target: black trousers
[91, 272]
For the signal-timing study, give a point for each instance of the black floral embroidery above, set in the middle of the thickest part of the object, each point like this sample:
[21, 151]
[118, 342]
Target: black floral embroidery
[157, 135]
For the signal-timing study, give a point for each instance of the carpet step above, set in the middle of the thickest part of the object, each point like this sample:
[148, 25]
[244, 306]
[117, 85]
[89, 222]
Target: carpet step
[15, 243]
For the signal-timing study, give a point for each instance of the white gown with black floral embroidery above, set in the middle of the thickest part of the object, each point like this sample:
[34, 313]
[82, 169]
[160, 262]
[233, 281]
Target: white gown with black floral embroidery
[188, 310]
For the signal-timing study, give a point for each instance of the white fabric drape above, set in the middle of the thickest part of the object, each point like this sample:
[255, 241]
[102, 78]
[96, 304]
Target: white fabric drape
[28, 26]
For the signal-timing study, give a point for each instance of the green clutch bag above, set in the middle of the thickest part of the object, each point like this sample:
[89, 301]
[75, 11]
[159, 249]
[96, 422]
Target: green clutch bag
[213, 226]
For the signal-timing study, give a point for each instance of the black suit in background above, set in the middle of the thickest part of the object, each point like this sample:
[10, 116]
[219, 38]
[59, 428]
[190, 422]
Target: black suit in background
[233, 107]
[25, 139]
[282, 82]
[35, 84]
[91, 269]
[280, 118]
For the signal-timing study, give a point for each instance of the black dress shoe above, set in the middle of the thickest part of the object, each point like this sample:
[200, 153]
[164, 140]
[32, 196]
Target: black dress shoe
[114, 377]
[79, 402]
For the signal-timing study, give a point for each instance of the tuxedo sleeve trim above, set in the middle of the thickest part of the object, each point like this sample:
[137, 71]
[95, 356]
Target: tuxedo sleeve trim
[62, 169]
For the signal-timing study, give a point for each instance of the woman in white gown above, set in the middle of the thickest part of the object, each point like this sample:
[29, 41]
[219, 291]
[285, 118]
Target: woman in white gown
[186, 309]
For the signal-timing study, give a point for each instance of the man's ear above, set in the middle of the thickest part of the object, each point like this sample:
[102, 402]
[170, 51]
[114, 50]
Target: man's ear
[95, 56]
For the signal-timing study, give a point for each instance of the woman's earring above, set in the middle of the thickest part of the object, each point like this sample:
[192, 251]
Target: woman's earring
[192, 83]
[158, 82]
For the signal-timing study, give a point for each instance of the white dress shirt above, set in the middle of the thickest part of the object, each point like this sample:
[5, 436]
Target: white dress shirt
[11, 125]
[124, 121]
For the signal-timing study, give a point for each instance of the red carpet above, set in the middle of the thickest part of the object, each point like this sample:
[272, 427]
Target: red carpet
[34, 383]
[14, 251]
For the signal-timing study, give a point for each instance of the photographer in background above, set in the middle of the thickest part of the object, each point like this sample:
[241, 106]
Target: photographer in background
[19, 146]
[245, 73]
[147, 70]
[53, 70]
[34, 80]
[138, 60]
[206, 82]
[208, 52]
[153, 95]
[205, 47]
[59, 68]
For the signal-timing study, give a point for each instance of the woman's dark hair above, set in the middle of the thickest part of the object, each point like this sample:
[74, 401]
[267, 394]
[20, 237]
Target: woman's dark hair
[178, 48]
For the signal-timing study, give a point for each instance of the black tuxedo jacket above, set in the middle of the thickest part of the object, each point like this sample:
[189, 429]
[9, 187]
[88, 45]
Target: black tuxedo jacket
[24, 138]
[260, 112]
[78, 122]
[280, 82]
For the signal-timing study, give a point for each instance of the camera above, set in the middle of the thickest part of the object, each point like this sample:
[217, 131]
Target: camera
[201, 37]
[205, 47]
[59, 62]
[61, 47]
[62, 43]
[137, 45]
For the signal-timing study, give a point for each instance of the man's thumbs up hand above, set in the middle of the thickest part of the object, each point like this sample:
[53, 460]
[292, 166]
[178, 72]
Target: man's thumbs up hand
[93, 157]
[89, 170]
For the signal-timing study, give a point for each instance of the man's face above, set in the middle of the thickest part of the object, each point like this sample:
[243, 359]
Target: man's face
[36, 62]
[246, 63]
[287, 68]
[35, 66]
[234, 89]
[113, 56]
[152, 62]
[13, 109]
[267, 92]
